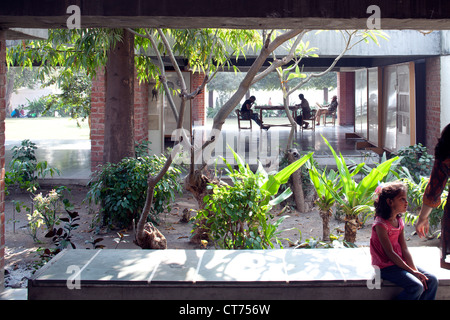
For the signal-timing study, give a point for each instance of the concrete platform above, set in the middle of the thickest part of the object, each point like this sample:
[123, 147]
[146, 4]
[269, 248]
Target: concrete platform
[220, 275]
[14, 294]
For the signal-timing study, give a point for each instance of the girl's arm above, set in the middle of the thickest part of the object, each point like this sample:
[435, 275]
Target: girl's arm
[409, 260]
[395, 258]
[387, 247]
[405, 252]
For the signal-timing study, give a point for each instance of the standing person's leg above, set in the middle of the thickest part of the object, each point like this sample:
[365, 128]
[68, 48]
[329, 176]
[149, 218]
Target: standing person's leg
[445, 237]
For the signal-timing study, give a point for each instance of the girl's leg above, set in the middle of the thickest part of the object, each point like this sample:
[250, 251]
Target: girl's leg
[432, 285]
[412, 286]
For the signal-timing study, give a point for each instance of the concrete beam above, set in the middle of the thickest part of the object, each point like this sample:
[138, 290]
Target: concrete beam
[25, 34]
[254, 14]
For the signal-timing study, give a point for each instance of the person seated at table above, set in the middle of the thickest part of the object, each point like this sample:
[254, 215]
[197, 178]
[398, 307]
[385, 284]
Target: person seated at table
[306, 111]
[326, 110]
[248, 114]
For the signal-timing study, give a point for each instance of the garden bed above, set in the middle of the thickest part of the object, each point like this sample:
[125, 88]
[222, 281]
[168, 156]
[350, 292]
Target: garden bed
[21, 251]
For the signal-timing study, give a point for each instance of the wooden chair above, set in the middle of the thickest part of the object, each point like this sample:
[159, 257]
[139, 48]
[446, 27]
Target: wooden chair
[332, 120]
[239, 117]
[325, 115]
[311, 120]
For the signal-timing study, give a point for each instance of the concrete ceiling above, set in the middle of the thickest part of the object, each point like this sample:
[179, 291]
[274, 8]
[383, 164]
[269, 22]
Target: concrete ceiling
[251, 14]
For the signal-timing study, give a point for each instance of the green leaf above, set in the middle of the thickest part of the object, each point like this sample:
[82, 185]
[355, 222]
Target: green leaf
[273, 183]
[286, 194]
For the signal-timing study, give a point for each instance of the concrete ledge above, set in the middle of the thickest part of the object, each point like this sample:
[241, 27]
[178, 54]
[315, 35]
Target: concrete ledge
[13, 294]
[220, 274]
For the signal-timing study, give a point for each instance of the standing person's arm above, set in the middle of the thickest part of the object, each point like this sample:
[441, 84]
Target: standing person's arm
[432, 195]
[423, 226]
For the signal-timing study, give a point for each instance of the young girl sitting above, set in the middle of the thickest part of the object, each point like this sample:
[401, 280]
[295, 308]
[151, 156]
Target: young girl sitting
[388, 246]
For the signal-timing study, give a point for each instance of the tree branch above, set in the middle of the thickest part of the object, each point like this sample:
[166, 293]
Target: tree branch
[281, 62]
[320, 74]
[173, 60]
[162, 77]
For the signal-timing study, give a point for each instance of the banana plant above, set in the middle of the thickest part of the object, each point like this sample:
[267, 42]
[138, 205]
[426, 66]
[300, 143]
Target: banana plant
[354, 197]
[325, 199]
[237, 216]
[271, 183]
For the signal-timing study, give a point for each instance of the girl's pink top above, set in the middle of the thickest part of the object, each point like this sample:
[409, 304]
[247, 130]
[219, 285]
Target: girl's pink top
[379, 257]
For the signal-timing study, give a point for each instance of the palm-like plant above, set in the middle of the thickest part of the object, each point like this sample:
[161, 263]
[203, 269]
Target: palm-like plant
[325, 199]
[237, 216]
[355, 198]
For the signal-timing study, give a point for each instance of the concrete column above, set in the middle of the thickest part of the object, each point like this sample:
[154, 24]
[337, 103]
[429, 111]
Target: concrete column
[445, 93]
[155, 122]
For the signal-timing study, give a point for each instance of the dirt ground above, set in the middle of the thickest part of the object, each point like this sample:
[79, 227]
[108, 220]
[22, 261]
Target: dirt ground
[21, 250]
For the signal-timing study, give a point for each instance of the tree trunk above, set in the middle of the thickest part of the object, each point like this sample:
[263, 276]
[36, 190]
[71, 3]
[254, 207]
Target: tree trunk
[325, 215]
[351, 227]
[119, 109]
[152, 238]
[296, 178]
[196, 183]
[148, 236]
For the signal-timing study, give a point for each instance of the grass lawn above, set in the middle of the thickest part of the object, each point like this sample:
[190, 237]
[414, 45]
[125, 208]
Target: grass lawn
[45, 129]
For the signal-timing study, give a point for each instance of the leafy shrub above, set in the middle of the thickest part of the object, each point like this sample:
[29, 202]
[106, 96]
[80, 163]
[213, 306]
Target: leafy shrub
[36, 106]
[121, 189]
[24, 169]
[45, 210]
[417, 160]
[238, 216]
[49, 206]
[415, 200]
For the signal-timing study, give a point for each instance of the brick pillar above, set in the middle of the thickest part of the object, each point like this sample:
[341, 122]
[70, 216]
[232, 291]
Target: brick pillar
[433, 102]
[2, 154]
[141, 94]
[346, 98]
[97, 119]
[198, 104]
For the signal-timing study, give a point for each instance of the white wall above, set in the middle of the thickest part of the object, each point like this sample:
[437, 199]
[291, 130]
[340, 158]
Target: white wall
[445, 91]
